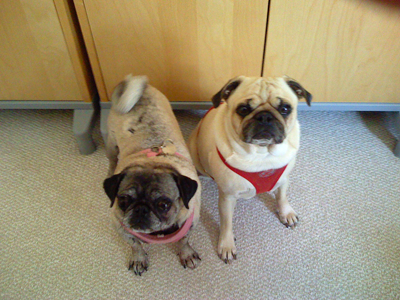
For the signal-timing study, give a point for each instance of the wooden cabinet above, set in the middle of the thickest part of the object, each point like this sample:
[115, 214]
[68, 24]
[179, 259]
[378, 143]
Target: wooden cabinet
[43, 63]
[41, 57]
[343, 51]
[188, 49]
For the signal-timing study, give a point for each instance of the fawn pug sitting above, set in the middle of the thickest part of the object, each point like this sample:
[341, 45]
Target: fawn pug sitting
[248, 145]
[153, 186]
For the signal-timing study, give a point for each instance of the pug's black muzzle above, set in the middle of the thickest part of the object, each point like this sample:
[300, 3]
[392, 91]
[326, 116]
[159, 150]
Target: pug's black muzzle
[140, 217]
[263, 126]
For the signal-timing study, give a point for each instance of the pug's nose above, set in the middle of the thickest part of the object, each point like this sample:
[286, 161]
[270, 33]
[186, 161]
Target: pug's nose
[264, 117]
[141, 210]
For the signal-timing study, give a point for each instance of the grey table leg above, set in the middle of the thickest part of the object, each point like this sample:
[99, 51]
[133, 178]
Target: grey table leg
[397, 149]
[83, 123]
[103, 123]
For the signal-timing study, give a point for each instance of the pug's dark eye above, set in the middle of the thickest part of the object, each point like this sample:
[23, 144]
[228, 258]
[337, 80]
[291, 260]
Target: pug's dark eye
[164, 204]
[243, 110]
[285, 109]
[124, 202]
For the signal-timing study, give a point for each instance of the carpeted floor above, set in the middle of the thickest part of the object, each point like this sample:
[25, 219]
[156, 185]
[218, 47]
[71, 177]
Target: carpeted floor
[57, 242]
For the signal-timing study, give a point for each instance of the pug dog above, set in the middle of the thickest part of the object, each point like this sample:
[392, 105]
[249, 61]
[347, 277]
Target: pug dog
[248, 143]
[152, 183]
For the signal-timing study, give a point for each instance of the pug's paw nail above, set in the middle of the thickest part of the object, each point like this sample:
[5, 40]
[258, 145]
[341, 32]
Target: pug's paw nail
[227, 249]
[189, 258]
[138, 264]
[288, 217]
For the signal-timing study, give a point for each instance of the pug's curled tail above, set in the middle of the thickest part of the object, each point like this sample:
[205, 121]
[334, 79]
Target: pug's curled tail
[128, 92]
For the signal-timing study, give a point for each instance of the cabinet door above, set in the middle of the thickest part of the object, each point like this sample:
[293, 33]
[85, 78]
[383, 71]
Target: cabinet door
[187, 48]
[342, 51]
[35, 63]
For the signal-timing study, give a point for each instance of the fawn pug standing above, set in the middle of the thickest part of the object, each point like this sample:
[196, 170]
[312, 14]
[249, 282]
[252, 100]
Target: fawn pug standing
[248, 145]
[153, 186]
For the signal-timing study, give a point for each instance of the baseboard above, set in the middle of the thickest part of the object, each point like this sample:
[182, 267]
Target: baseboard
[33, 104]
[340, 106]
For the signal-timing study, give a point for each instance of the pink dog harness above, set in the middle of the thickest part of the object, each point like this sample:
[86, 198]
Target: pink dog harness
[170, 238]
[263, 181]
[181, 232]
[156, 151]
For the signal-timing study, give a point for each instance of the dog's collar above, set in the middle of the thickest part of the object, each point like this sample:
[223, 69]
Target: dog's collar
[263, 181]
[170, 238]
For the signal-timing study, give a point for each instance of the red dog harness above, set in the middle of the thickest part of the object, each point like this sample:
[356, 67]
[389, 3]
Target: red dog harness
[263, 181]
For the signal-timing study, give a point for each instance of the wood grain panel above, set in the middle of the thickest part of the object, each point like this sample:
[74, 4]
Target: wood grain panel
[90, 48]
[34, 59]
[342, 51]
[188, 49]
[76, 46]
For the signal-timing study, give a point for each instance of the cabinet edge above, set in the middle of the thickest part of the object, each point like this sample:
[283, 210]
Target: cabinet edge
[90, 48]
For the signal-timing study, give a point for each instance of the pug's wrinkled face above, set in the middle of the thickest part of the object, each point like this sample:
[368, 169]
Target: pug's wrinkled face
[262, 110]
[149, 200]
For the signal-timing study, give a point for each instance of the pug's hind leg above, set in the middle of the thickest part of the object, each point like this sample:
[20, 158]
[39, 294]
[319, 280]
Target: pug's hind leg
[188, 256]
[286, 213]
[139, 261]
[226, 242]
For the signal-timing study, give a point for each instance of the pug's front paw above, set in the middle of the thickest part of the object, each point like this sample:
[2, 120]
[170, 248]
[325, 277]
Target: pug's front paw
[288, 217]
[139, 263]
[188, 257]
[227, 248]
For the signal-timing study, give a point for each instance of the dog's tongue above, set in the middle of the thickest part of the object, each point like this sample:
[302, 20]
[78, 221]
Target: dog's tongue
[169, 238]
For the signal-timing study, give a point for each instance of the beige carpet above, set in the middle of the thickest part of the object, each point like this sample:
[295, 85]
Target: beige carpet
[57, 242]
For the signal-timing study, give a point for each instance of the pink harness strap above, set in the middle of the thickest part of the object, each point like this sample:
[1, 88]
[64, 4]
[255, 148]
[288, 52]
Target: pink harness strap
[263, 181]
[170, 238]
[156, 151]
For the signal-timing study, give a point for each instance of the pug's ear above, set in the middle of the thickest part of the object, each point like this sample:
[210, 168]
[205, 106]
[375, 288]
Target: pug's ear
[298, 90]
[111, 186]
[187, 188]
[226, 91]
